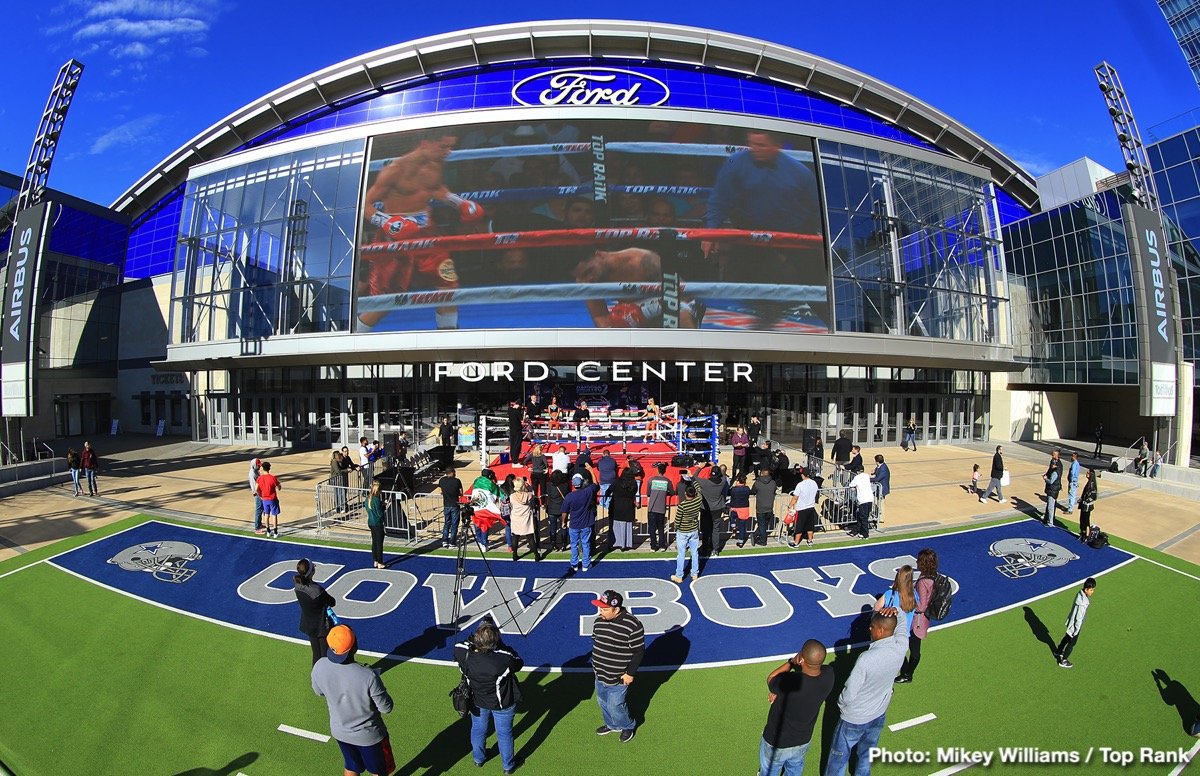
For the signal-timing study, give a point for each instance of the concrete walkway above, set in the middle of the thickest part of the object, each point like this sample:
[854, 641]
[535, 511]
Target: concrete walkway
[208, 483]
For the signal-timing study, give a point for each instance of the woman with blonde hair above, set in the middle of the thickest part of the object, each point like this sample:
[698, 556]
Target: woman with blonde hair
[902, 595]
[927, 565]
[523, 518]
[374, 507]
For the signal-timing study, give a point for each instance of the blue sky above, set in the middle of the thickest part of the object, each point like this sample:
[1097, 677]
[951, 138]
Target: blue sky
[160, 71]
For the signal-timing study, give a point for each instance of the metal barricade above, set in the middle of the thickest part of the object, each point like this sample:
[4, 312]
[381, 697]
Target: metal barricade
[835, 509]
[343, 506]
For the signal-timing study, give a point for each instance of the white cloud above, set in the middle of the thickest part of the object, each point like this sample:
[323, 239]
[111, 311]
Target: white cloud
[130, 133]
[135, 50]
[140, 30]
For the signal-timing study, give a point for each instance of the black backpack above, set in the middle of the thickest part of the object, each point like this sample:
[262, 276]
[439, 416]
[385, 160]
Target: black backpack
[1097, 538]
[940, 600]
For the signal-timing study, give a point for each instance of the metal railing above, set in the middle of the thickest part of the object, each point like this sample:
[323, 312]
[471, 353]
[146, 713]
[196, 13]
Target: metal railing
[343, 506]
[30, 470]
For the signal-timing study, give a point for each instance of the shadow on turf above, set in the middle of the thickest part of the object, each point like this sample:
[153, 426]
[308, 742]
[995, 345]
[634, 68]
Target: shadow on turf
[1175, 694]
[1039, 629]
[233, 767]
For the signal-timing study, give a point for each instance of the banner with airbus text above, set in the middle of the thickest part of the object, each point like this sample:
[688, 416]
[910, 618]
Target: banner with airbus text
[1157, 311]
[20, 311]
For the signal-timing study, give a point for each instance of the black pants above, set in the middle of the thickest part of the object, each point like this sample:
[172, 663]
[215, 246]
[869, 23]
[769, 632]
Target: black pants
[1085, 521]
[765, 521]
[1099, 448]
[319, 647]
[914, 656]
[863, 513]
[557, 534]
[531, 539]
[1066, 645]
[514, 448]
[739, 465]
[718, 525]
[377, 543]
[657, 523]
[537, 481]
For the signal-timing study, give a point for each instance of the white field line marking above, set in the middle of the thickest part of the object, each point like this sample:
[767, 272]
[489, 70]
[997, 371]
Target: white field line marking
[952, 769]
[78, 547]
[324, 739]
[912, 722]
[1191, 755]
[1169, 568]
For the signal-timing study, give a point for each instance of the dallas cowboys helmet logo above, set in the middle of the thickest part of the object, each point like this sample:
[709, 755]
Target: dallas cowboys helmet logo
[1023, 557]
[166, 560]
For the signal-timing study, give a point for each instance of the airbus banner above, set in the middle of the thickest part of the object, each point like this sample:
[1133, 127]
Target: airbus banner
[743, 608]
[1157, 311]
[20, 295]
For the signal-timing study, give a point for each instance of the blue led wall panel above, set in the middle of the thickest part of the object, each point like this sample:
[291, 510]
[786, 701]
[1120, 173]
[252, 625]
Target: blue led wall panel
[491, 87]
[86, 235]
[153, 237]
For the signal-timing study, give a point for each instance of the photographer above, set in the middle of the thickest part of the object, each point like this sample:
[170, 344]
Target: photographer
[490, 667]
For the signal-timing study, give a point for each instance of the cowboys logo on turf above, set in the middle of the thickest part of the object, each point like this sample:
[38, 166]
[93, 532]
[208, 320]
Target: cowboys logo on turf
[166, 560]
[1023, 557]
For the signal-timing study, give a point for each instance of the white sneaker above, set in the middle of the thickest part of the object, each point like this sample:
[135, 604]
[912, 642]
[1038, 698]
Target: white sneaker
[981, 499]
[1003, 501]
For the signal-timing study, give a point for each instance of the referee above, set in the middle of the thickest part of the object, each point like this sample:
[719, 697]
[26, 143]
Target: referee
[618, 644]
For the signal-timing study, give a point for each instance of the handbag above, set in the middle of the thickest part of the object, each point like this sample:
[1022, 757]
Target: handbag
[460, 697]
[1005, 479]
[789, 518]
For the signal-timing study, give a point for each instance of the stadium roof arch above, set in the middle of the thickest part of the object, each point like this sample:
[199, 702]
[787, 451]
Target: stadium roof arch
[412, 62]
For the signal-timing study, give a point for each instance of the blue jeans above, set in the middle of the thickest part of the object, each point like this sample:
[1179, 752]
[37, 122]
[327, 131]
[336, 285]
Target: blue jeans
[450, 524]
[75, 480]
[685, 542]
[503, 719]
[581, 547]
[1051, 505]
[611, 698]
[789, 759]
[847, 737]
[1072, 494]
[91, 481]
[604, 497]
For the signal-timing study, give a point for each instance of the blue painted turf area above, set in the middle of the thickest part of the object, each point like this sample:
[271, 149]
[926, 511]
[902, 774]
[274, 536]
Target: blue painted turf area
[743, 607]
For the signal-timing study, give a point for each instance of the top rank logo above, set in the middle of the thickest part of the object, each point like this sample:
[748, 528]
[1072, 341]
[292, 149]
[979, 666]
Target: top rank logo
[591, 86]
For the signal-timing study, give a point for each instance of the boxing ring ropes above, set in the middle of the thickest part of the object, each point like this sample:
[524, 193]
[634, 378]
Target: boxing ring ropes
[697, 435]
[557, 238]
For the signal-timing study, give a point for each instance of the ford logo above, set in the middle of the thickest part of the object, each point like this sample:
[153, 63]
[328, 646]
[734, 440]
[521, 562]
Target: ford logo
[591, 86]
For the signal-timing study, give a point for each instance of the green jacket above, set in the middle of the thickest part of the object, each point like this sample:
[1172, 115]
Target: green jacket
[374, 507]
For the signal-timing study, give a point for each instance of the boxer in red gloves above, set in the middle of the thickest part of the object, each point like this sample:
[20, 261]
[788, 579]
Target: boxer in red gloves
[399, 206]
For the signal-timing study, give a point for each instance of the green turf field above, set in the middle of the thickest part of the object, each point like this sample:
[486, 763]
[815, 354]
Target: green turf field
[99, 683]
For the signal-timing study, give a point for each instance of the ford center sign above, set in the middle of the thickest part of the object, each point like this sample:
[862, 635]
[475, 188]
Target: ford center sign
[591, 86]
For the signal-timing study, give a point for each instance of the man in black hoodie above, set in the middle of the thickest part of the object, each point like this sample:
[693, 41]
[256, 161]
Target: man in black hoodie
[763, 489]
[715, 490]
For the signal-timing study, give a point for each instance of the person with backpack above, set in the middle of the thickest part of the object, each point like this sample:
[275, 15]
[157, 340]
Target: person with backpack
[1087, 501]
[927, 565]
[490, 667]
[901, 596]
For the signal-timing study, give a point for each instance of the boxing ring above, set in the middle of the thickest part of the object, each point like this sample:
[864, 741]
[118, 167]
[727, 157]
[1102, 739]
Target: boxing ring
[624, 434]
[641, 301]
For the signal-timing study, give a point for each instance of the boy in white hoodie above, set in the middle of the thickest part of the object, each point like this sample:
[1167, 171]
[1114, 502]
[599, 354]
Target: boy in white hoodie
[1074, 623]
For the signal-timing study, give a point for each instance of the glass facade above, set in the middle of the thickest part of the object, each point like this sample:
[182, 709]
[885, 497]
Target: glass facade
[1176, 164]
[267, 247]
[1184, 18]
[915, 247]
[78, 285]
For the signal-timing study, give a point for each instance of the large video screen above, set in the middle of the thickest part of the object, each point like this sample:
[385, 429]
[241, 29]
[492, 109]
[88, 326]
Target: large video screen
[592, 224]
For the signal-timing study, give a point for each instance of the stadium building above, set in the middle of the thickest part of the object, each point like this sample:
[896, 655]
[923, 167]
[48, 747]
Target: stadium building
[605, 211]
